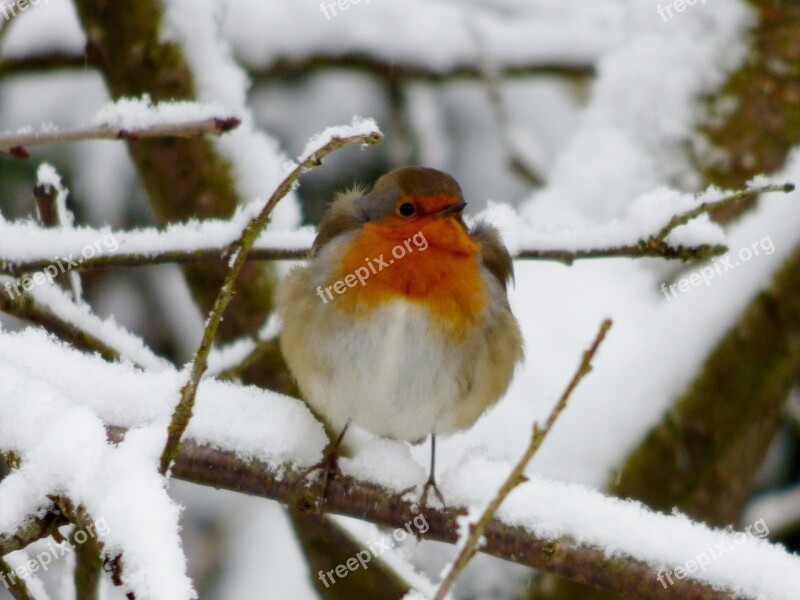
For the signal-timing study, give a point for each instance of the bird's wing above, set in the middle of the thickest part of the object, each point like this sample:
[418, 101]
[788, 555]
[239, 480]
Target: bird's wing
[343, 215]
[494, 254]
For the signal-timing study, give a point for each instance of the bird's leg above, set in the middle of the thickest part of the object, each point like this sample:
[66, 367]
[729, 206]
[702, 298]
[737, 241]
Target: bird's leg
[431, 483]
[329, 465]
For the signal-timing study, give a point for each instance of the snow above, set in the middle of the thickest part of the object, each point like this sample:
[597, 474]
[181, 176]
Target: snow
[64, 451]
[357, 127]
[134, 114]
[234, 353]
[538, 33]
[22, 241]
[123, 395]
[128, 345]
[141, 113]
[19, 562]
[51, 26]
[371, 461]
[61, 439]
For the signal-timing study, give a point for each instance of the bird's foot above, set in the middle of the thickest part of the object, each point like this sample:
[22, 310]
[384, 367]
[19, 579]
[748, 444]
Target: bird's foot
[430, 485]
[426, 490]
[329, 468]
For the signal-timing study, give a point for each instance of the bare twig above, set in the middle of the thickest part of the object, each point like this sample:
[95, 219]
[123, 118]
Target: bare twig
[237, 257]
[708, 207]
[517, 475]
[16, 143]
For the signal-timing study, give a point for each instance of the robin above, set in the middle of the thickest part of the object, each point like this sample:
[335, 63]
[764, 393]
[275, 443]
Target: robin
[400, 321]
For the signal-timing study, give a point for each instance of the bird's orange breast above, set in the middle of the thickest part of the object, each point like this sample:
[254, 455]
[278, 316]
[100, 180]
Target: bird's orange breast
[444, 276]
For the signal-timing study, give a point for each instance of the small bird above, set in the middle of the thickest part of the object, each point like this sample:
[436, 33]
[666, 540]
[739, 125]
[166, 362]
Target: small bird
[400, 321]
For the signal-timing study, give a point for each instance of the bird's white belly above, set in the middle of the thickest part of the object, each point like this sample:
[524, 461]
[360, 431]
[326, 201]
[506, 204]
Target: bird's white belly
[393, 373]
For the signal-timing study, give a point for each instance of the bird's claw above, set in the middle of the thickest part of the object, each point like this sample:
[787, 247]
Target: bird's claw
[329, 467]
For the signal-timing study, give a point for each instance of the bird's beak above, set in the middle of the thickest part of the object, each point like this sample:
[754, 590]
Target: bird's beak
[451, 210]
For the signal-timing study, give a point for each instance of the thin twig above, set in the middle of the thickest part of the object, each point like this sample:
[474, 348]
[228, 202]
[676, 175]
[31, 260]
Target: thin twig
[237, 257]
[16, 143]
[517, 476]
[707, 207]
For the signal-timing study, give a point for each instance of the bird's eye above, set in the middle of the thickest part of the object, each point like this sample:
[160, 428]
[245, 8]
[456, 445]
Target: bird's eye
[406, 209]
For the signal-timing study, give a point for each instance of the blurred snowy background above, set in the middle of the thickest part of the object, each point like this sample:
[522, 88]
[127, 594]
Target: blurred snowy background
[555, 115]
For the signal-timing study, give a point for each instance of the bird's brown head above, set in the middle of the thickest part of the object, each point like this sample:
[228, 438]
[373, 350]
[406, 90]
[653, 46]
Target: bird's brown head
[413, 194]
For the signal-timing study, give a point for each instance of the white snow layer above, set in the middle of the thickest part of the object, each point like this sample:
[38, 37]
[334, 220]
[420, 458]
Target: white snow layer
[70, 397]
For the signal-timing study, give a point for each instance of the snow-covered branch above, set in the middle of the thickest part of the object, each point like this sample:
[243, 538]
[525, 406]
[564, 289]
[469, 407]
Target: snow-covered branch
[618, 569]
[129, 119]
[24, 247]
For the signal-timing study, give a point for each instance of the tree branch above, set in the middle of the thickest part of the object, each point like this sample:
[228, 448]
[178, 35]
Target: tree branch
[16, 143]
[363, 500]
[41, 62]
[26, 308]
